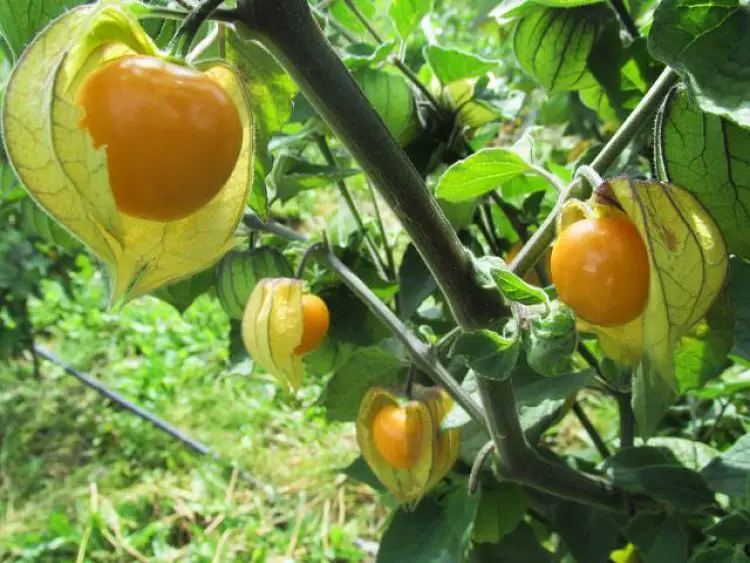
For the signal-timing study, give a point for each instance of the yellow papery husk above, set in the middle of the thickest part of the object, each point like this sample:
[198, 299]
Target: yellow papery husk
[68, 177]
[688, 268]
[272, 328]
[447, 442]
[437, 451]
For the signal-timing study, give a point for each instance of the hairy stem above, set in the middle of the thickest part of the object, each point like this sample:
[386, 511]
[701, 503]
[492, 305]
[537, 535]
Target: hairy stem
[543, 237]
[182, 41]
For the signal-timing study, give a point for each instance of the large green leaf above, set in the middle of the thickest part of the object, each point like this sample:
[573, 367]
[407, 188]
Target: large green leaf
[21, 20]
[271, 93]
[451, 65]
[433, 533]
[708, 41]
[391, 96]
[519, 546]
[702, 353]
[710, 157]
[739, 295]
[416, 283]
[480, 173]
[589, 533]
[406, 14]
[659, 537]
[730, 472]
[365, 368]
[501, 509]
[553, 45]
[734, 527]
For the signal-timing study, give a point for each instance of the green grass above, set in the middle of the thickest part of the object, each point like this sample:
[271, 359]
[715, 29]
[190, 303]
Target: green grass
[82, 481]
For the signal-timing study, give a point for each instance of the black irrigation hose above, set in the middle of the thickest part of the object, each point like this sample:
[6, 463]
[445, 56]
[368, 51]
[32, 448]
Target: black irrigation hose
[162, 425]
[198, 447]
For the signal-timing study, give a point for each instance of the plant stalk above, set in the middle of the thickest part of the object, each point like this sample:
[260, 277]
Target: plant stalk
[287, 28]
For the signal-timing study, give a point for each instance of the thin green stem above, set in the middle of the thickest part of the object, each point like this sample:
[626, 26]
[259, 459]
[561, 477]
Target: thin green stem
[363, 20]
[556, 183]
[627, 420]
[180, 45]
[543, 237]
[625, 18]
[383, 233]
[397, 62]
[325, 150]
[591, 430]
[414, 79]
[152, 12]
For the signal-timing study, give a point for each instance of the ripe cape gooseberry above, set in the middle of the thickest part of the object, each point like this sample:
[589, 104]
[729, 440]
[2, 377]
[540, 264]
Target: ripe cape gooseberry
[397, 438]
[172, 134]
[315, 323]
[600, 267]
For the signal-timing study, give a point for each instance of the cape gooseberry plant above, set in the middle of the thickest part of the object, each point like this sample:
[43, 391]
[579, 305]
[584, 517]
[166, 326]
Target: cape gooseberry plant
[571, 181]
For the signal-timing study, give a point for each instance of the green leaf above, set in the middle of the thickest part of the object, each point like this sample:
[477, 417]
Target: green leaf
[734, 380]
[708, 156]
[480, 173]
[553, 45]
[391, 96]
[590, 534]
[360, 471]
[365, 368]
[416, 282]
[183, 293]
[659, 537]
[721, 555]
[451, 65]
[623, 467]
[691, 454]
[676, 486]
[406, 14]
[708, 42]
[433, 533]
[494, 272]
[520, 546]
[290, 175]
[702, 353]
[739, 295]
[341, 12]
[730, 472]
[734, 528]
[556, 388]
[362, 55]
[21, 20]
[501, 509]
[488, 353]
[652, 397]
[271, 92]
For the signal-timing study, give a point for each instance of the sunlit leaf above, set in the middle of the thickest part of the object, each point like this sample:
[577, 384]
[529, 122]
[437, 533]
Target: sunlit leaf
[406, 14]
[708, 42]
[708, 156]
